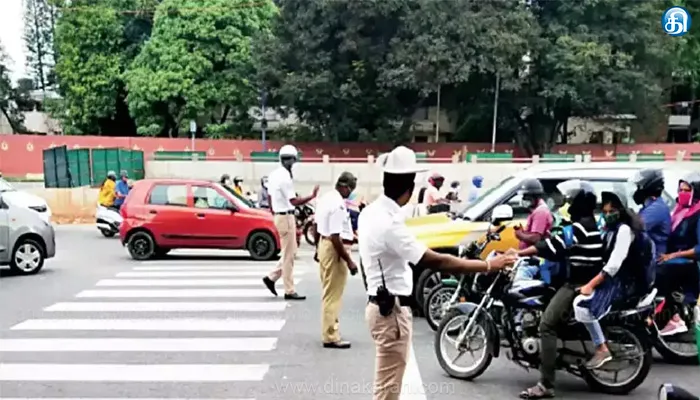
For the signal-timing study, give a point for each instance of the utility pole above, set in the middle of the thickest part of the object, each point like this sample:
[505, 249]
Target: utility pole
[437, 117]
[263, 122]
[495, 113]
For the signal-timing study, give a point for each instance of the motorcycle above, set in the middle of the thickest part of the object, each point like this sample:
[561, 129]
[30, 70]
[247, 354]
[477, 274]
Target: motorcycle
[509, 315]
[680, 348]
[305, 222]
[452, 291]
[108, 220]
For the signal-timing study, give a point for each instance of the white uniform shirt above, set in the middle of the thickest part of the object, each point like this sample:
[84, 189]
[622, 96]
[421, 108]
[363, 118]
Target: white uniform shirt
[280, 188]
[332, 216]
[383, 235]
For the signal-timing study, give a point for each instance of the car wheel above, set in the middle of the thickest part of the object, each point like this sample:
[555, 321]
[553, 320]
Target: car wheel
[261, 246]
[27, 257]
[141, 246]
[108, 233]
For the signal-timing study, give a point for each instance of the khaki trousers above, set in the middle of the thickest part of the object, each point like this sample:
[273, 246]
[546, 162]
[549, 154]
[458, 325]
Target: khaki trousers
[287, 228]
[334, 275]
[392, 338]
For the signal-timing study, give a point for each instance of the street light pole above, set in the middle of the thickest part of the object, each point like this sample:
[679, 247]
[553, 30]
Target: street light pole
[495, 113]
[437, 117]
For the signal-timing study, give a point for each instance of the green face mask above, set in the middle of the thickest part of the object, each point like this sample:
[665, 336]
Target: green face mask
[612, 219]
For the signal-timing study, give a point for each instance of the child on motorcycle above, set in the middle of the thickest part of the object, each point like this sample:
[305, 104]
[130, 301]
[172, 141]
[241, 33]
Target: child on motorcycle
[623, 256]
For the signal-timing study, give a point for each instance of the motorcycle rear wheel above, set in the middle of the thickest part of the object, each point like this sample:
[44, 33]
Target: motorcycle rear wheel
[674, 356]
[439, 295]
[598, 385]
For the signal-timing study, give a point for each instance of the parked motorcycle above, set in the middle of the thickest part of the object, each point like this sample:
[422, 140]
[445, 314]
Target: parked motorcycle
[452, 291]
[305, 222]
[509, 315]
[108, 220]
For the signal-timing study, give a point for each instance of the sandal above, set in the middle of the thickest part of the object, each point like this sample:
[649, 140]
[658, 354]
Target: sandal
[538, 391]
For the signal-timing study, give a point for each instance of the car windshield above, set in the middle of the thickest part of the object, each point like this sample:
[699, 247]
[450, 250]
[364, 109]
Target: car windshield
[5, 186]
[473, 210]
[245, 203]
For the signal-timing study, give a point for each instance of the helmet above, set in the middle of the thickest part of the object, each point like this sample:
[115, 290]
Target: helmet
[617, 197]
[436, 179]
[531, 187]
[224, 178]
[288, 151]
[693, 179]
[454, 184]
[124, 174]
[237, 180]
[580, 196]
[112, 174]
[649, 182]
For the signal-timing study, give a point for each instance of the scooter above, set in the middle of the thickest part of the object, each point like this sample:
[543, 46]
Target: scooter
[108, 220]
[668, 391]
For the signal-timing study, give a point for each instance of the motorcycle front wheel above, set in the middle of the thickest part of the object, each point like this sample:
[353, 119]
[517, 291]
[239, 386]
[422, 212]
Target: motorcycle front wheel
[433, 307]
[476, 342]
[310, 233]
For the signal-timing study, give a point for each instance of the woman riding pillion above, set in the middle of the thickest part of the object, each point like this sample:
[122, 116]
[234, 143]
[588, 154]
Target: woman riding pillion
[583, 257]
[625, 254]
[107, 190]
[678, 268]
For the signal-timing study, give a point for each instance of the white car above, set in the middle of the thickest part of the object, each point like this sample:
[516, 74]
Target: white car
[19, 198]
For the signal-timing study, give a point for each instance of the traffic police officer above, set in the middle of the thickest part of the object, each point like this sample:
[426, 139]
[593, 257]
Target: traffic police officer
[386, 247]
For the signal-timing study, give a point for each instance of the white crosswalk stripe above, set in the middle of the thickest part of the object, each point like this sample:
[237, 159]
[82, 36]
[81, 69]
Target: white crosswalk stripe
[139, 315]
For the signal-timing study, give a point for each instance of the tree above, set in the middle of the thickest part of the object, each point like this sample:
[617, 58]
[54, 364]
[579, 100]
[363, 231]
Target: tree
[96, 41]
[39, 17]
[358, 70]
[589, 59]
[198, 65]
[8, 107]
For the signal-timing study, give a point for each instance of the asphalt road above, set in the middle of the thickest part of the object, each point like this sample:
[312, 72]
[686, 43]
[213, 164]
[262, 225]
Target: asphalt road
[95, 324]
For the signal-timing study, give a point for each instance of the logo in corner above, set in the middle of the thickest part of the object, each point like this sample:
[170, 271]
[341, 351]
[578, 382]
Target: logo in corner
[676, 21]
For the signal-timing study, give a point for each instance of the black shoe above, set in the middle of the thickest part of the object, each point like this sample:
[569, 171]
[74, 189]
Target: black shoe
[294, 296]
[341, 344]
[270, 285]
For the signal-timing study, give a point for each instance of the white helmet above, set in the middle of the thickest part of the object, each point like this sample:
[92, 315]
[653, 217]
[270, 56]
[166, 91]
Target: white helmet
[288, 151]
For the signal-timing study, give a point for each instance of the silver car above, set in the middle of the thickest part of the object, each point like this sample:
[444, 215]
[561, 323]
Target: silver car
[26, 239]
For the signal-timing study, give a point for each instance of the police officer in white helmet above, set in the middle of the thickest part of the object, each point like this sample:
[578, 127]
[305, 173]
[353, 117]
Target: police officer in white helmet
[386, 249]
[283, 199]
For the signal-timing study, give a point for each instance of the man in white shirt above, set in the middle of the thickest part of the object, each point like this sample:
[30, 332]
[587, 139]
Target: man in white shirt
[334, 238]
[283, 199]
[386, 248]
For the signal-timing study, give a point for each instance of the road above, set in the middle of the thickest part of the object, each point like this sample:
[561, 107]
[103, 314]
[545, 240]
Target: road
[95, 324]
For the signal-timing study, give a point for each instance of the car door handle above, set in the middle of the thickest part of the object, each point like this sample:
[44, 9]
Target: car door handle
[153, 212]
[200, 215]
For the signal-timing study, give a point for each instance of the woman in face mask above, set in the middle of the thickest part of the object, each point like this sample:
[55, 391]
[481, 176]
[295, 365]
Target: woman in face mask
[679, 269]
[623, 231]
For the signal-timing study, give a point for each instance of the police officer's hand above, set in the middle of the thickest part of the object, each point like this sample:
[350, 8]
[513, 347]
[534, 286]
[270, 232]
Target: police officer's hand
[352, 267]
[502, 261]
[314, 193]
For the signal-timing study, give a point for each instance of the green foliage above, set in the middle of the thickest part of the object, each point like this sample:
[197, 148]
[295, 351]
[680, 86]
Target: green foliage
[39, 20]
[8, 96]
[197, 65]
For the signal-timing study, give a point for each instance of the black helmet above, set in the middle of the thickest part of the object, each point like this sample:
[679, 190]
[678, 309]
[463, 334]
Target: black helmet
[237, 180]
[617, 197]
[649, 183]
[693, 179]
[224, 178]
[531, 187]
[581, 198]
[454, 184]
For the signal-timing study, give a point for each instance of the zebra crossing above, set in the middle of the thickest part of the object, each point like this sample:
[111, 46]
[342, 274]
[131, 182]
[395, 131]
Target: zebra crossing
[151, 332]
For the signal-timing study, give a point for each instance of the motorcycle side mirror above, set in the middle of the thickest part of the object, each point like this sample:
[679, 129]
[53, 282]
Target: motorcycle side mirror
[501, 213]
[668, 391]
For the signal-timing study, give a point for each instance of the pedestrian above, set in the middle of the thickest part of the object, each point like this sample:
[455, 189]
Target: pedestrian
[333, 253]
[283, 199]
[475, 189]
[386, 248]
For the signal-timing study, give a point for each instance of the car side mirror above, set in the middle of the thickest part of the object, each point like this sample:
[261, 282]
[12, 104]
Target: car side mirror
[2, 203]
[501, 213]
[231, 207]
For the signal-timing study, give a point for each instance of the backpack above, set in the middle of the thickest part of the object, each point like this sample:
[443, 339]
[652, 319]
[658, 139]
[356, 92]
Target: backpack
[644, 251]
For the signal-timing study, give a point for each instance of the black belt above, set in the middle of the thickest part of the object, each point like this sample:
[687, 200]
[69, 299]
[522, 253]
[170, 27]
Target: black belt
[284, 213]
[404, 301]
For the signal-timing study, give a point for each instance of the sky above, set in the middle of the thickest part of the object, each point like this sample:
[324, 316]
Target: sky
[11, 30]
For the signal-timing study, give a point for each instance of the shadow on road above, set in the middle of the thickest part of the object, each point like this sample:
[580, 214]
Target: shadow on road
[6, 273]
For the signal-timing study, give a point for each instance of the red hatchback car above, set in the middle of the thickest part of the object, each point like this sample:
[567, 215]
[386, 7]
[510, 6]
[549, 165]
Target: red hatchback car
[165, 214]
